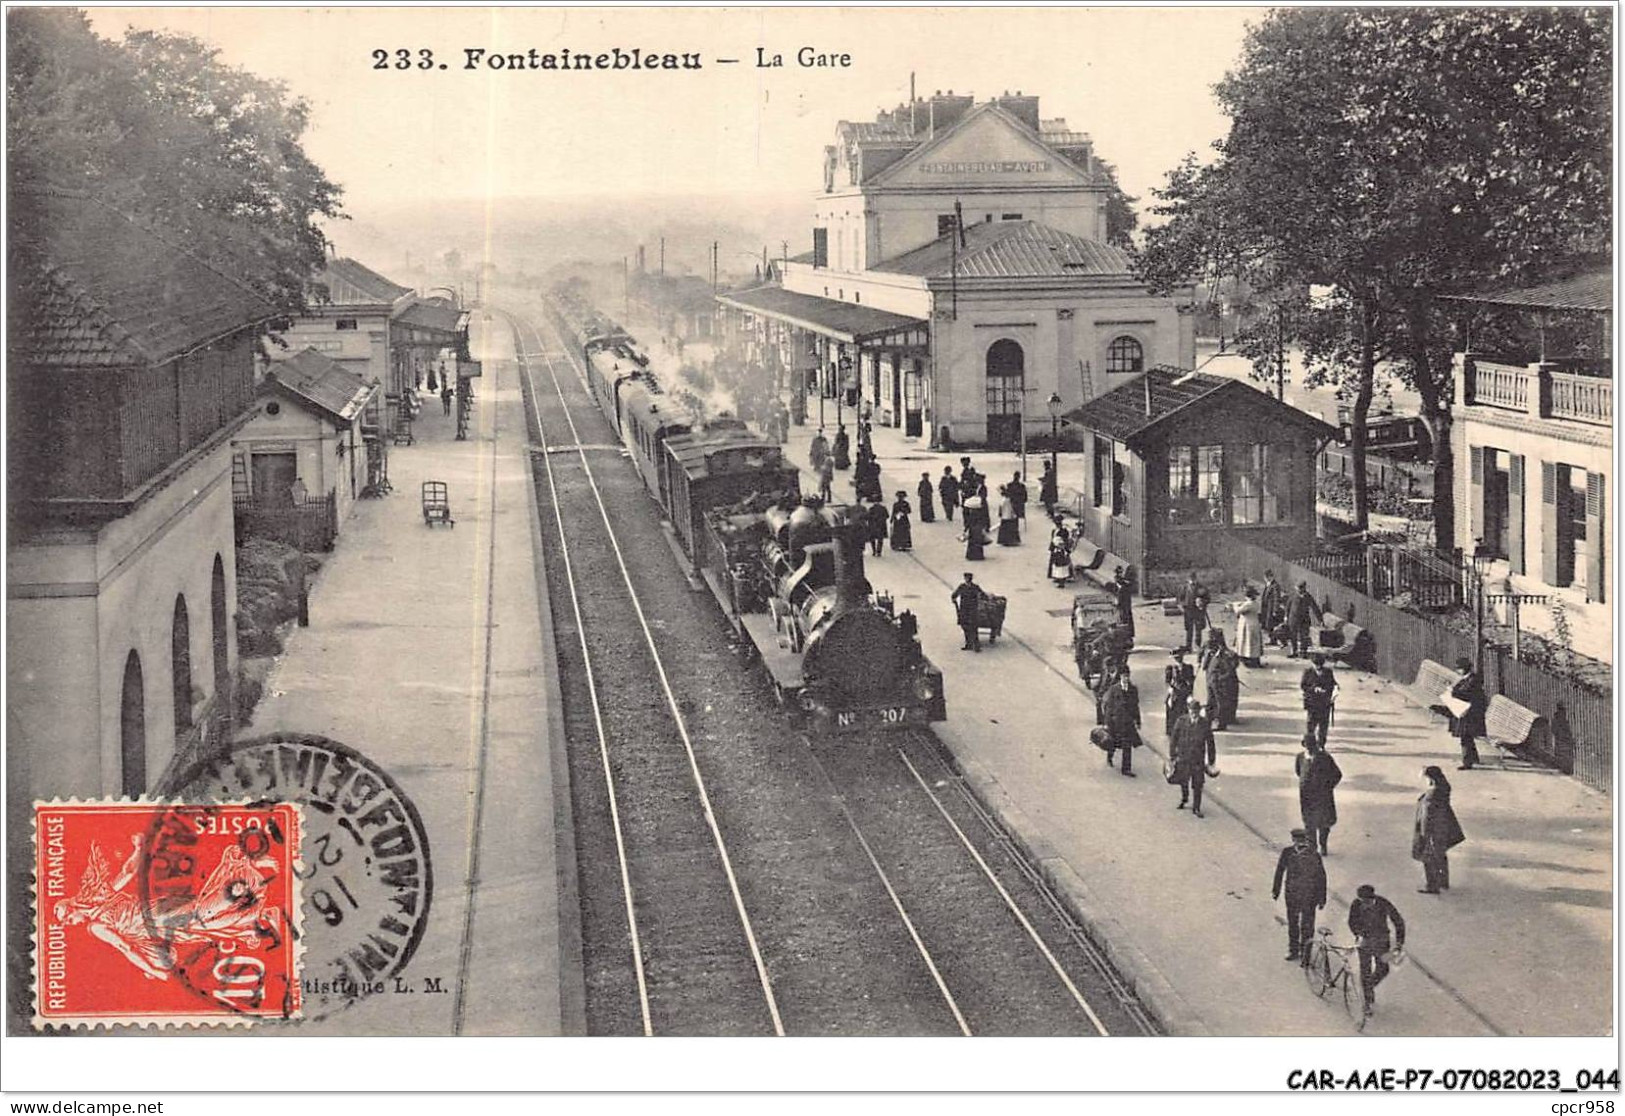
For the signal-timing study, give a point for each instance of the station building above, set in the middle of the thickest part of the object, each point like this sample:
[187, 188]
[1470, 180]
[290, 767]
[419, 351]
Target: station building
[130, 367]
[961, 277]
[1532, 435]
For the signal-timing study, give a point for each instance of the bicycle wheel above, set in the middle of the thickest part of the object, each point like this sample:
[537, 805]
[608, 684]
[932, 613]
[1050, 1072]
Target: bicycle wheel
[1317, 969]
[1353, 999]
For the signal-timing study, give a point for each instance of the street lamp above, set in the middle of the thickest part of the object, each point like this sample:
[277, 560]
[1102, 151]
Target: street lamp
[1482, 557]
[1054, 403]
[844, 366]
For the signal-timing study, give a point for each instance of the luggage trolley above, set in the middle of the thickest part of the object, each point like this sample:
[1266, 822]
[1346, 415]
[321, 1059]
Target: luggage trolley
[436, 505]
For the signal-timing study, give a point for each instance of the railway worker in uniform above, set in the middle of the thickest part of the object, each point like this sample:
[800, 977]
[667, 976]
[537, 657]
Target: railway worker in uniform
[1193, 609]
[826, 480]
[1180, 678]
[1369, 916]
[927, 492]
[1122, 721]
[1009, 519]
[1272, 608]
[818, 450]
[967, 598]
[1049, 491]
[842, 448]
[1318, 776]
[1302, 613]
[1319, 686]
[1470, 725]
[1192, 752]
[879, 523]
[948, 489]
[1299, 868]
[902, 531]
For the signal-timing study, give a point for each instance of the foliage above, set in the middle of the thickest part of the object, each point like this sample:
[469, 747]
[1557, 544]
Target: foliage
[1394, 155]
[158, 126]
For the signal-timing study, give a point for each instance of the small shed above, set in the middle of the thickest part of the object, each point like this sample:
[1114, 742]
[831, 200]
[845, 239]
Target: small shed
[1172, 457]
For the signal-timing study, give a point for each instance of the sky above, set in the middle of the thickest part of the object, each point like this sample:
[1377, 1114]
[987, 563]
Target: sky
[1138, 79]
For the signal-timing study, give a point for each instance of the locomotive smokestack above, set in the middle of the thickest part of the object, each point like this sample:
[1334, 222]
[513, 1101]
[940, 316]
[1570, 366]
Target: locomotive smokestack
[851, 587]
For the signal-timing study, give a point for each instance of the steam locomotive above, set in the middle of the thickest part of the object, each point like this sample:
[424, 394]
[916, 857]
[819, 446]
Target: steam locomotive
[786, 571]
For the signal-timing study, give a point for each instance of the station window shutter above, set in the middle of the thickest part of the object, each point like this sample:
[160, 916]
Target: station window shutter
[1550, 513]
[1596, 538]
[1475, 496]
[1515, 513]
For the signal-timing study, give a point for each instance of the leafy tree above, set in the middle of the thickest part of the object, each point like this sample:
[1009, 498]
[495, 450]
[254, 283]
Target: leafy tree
[158, 126]
[1396, 155]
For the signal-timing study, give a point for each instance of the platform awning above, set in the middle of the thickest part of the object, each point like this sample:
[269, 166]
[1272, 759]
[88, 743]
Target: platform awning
[841, 321]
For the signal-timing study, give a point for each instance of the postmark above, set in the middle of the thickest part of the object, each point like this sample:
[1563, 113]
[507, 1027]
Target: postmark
[366, 876]
[166, 913]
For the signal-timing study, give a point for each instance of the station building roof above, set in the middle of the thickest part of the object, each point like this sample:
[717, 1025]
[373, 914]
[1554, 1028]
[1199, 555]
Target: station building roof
[1589, 291]
[322, 383]
[350, 283]
[1132, 412]
[1010, 250]
[843, 321]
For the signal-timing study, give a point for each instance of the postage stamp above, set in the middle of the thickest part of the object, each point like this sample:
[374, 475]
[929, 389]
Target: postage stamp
[167, 913]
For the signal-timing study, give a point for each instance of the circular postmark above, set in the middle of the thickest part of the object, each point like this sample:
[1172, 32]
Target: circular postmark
[364, 879]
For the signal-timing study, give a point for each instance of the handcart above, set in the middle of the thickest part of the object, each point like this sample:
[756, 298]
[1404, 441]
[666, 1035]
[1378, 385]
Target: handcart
[436, 505]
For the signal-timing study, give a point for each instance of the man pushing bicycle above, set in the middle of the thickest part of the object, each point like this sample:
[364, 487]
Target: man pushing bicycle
[1369, 916]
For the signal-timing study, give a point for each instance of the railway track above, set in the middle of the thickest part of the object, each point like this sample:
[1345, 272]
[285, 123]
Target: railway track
[737, 878]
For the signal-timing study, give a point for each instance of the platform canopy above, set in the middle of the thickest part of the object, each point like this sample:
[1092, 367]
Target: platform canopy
[1589, 292]
[841, 321]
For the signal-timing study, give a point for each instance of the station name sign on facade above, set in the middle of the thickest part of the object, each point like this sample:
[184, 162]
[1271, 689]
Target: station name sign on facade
[1013, 167]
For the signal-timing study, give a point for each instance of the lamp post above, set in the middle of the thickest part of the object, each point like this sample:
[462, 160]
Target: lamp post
[844, 366]
[1054, 403]
[1481, 560]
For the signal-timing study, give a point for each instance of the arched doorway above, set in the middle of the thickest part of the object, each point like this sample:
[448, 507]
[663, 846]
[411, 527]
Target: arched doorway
[219, 634]
[133, 730]
[180, 654]
[1006, 377]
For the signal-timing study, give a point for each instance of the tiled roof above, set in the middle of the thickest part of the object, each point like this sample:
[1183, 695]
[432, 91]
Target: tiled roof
[1590, 291]
[431, 314]
[871, 131]
[96, 289]
[844, 321]
[1125, 414]
[1011, 249]
[323, 383]
[350, 283]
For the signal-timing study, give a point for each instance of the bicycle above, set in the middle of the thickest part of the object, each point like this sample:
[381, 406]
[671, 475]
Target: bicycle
[1328, 966]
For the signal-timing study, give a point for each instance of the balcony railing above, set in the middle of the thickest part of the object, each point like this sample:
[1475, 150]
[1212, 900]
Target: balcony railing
[1582, 398]
[1538, 390]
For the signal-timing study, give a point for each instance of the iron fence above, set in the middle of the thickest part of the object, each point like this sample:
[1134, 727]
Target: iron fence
[310, 526]
[1581, 719]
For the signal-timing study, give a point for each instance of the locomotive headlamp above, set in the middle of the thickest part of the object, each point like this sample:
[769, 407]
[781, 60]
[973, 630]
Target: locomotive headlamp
[923, 688]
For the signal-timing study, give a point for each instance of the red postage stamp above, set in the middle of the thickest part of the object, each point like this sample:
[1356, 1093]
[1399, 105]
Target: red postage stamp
[149, 912]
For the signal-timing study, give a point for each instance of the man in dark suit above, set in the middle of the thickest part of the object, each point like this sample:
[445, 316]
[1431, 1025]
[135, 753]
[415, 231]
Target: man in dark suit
[1272, 607]
[1123, 593]
[1193, 751]
[1302, 613]
[1301, 870]
[1121, 708]
[967, 598]
[1470, 725]
[1319, 686]
[1193, 600]
[1369, 916]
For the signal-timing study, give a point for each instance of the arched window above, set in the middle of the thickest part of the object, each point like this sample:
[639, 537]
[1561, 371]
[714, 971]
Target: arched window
[180, 654]
[218, 631]
[1006, 376]
[133, 730]
[1125, 354]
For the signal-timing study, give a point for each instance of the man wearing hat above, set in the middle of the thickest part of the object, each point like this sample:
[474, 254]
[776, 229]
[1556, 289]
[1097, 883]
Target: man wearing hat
[1469, 726]
[1193, 752]
[1302, 612]
[1319, 686]
[1304, 876]
[1121, 716]
[1180, 678]
[1369, 917]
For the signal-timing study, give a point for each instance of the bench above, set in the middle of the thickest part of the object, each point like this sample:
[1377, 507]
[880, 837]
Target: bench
[1510, 726]
[1340, 639]
[1432, 686]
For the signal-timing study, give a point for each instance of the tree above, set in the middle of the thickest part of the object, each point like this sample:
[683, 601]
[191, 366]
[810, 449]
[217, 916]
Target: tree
[1397, 155]
[159, 127]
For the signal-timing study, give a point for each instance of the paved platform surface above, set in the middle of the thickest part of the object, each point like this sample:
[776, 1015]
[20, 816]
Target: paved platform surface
[1521, 945]
[399, 663]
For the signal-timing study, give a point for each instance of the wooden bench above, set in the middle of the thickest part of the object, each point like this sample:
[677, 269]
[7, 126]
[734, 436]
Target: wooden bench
[1510, 726]
[1433, 684]
[1341, 640]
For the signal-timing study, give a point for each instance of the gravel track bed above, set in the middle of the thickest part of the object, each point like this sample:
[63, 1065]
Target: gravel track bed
[840, 959]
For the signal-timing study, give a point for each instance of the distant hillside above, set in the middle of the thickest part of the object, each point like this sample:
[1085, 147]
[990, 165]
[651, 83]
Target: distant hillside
[422, 244]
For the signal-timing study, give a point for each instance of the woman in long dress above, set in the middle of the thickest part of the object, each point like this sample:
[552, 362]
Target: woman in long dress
[1009, 520]
[1060, 554]
[975, 535]
[928, 511]
[1437, 831]
[1249, 629]
[902, 532]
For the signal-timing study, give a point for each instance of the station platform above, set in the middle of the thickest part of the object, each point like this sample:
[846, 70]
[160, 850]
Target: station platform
[1522, 944]
[426, 653]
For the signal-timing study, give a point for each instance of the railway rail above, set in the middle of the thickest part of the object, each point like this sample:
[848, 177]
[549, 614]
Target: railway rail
[739, 878]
